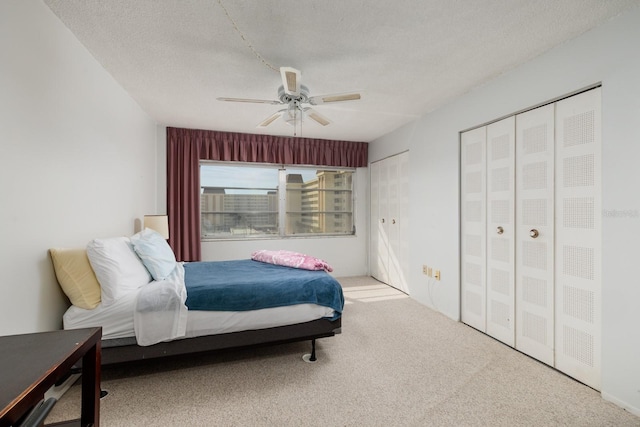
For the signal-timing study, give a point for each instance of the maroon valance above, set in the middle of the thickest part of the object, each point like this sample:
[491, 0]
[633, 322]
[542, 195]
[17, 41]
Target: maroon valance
[186, 147]
[246, 147]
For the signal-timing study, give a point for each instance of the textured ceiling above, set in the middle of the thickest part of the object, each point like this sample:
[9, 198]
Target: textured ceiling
[406, 57]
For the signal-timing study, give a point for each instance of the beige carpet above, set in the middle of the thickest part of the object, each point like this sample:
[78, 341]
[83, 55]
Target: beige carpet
[397, 363]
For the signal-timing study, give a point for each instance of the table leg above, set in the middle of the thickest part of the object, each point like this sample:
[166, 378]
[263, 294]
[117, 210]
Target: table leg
[90, 415]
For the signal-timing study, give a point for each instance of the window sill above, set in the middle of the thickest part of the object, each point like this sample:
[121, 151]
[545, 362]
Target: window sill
[294, 237]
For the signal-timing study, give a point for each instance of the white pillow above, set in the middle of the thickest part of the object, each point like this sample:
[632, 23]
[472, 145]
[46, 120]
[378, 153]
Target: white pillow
[117, 267]
[155, 253]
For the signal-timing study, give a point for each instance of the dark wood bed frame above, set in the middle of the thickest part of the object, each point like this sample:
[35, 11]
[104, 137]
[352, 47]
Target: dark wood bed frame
[126, 349]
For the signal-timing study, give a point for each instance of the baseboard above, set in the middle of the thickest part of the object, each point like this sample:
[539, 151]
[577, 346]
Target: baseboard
[635, 411]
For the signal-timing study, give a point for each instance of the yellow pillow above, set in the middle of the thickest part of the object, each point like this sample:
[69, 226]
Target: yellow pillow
[76, 277]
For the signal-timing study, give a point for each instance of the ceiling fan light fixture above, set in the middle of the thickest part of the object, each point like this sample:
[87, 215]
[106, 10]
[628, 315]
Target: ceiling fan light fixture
[292, 116]
[290, 121]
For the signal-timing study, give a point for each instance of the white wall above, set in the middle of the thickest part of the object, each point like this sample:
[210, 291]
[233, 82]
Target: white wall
[608, 54]
[77, 160]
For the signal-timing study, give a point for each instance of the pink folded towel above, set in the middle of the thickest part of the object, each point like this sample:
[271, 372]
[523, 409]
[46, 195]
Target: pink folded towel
[290, 259]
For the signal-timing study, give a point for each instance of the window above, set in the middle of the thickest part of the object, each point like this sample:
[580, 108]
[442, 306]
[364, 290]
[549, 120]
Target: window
[246, 201]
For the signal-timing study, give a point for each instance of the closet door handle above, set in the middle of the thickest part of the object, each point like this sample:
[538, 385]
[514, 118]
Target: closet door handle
[393, 221]
[534, 233]
[499, 230]
[382, 220]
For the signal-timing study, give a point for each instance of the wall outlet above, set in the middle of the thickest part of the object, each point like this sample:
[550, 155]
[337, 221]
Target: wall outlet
[437, 275]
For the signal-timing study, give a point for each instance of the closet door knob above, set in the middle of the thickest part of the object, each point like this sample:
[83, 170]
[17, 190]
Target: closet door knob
[499, 230]
[534, 233]
[393, 221]
[382, 220]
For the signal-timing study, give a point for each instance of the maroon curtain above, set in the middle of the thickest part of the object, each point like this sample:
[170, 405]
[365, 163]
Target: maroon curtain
[186, 147]
[183, 197]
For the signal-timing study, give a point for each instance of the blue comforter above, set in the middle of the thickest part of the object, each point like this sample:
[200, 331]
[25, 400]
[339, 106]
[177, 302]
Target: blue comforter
[251, 285]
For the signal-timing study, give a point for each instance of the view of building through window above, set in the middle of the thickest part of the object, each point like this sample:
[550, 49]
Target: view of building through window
[247, 201]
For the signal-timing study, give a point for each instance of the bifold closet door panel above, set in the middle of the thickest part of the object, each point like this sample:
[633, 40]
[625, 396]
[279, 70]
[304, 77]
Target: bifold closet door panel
[535, 233]
[383, 236]
[375, 225]
[399, 261]
[501, 230]
[473, 228]
[392, 165]
[380, 223]
[389, 245]
[578, 237]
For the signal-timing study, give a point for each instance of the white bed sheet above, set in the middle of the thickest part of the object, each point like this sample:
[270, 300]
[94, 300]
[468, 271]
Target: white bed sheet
[117, 318]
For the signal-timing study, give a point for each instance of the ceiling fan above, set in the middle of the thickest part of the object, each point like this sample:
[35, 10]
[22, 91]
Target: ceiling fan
[294, 95]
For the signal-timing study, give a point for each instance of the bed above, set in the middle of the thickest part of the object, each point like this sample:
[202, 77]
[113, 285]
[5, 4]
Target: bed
[178, 308]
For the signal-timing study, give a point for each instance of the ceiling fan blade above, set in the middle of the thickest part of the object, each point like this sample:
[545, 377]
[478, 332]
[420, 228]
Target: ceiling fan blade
[325, 99]
[266, 122]
[252, 101]
[290, 80]
[317, 117]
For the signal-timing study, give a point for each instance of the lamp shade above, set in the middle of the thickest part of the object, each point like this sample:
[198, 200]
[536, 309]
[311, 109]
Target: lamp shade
[159, 223]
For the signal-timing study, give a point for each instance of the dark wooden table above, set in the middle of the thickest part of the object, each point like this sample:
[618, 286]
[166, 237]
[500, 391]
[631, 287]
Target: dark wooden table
[31, 363]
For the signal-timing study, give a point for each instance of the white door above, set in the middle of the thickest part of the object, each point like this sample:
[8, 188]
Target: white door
[535, 233]
[398, 177]
[389, 220]
[550, 223]
[380, 221]
[578, 237]
[392, 166]
[473, 228]
[501, 230]
[403, 217]
[374, 219]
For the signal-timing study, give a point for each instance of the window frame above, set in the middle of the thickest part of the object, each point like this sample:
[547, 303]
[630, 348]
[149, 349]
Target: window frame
[282, 212]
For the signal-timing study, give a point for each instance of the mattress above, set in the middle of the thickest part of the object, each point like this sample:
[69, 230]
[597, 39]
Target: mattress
[116, 319]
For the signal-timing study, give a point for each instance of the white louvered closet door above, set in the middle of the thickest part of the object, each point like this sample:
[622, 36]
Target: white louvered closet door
[501, 230]
[578, 237]
[392, 165]
[401, 250]
[374, 226]
[535, 233]
[380, 252]
[473, 228]
[383, 222]
[389, 246]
